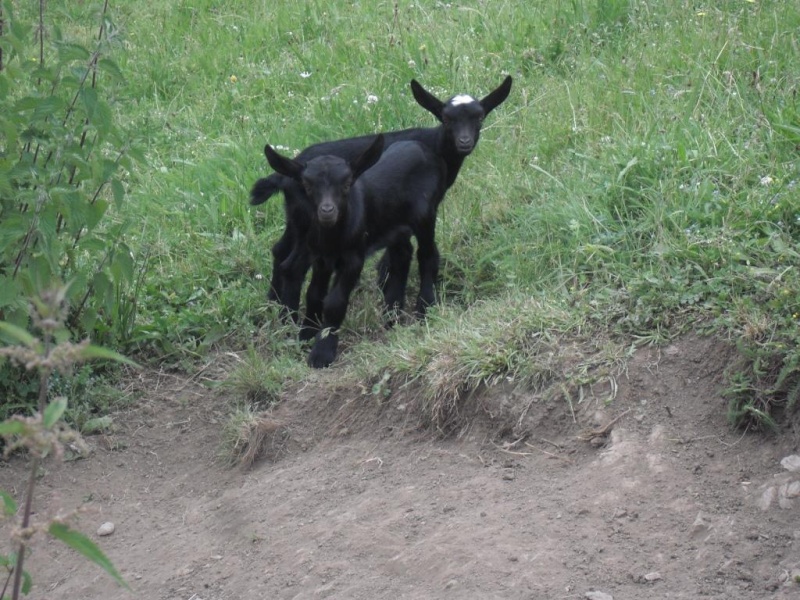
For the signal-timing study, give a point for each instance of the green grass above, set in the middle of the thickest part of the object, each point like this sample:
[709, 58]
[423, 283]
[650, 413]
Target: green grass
[642, 176]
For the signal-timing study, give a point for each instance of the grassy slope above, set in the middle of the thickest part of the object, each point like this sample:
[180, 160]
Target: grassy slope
[641, 175]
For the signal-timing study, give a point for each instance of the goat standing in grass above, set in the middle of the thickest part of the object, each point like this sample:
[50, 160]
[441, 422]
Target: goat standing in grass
[461, 118]
[360, 206]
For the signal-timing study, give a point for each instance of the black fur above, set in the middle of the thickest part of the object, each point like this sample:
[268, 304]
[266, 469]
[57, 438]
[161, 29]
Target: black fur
[355, 212]
[452, 141]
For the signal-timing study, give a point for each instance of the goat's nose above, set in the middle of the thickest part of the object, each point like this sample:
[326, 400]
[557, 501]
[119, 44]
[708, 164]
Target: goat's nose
[326, 209]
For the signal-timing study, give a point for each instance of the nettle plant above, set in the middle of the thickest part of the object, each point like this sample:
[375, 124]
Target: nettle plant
[62, 164]
[43, 434]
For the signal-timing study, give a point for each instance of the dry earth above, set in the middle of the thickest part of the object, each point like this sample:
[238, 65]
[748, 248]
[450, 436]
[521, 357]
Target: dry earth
[671, 504]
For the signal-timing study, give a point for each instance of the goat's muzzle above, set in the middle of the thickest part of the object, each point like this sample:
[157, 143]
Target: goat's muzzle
[465, 145]
[327, 214]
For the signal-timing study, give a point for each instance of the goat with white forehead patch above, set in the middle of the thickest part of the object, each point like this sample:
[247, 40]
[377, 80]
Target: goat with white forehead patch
[452, 141]
[360, 206]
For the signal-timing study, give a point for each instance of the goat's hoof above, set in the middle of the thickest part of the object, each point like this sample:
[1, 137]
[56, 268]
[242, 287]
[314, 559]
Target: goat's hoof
[319, 360]
[323, 352]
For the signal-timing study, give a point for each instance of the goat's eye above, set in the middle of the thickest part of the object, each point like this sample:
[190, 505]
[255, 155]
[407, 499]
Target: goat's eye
[346, 188]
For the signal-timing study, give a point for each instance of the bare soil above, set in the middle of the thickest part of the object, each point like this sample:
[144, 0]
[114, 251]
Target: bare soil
[666, 501]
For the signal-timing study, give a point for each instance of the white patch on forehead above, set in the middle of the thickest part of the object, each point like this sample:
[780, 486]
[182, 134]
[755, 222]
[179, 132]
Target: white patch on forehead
[461, 99]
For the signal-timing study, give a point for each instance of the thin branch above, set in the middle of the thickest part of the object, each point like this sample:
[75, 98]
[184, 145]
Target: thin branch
[602, 431]
[550, 454]
[26, 519]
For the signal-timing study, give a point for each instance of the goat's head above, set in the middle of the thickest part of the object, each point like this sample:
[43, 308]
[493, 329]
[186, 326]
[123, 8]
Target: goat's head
[326, 179]
[462, 115]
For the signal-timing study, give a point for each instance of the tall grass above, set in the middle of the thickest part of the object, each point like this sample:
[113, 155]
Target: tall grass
[642, 175]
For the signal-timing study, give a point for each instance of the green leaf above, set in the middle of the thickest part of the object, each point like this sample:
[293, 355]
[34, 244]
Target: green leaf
[71, 52]
[95, 212]
[89, 97]
[82, 544]
[54, 412]
[137, 154]
[122, 267]
[102, 286]
[18, 334]
[102, 117]
[92, 244]
[97, 424]
[119, 191]
[27, 583]
[9, 292]
[9, 504]
[12, 428]
[98, 352]
[110, 67]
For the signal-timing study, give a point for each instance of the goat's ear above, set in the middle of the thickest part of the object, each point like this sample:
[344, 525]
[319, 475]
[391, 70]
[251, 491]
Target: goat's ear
[497, 97]
[427, 100]
[281, 164]
[368, 158]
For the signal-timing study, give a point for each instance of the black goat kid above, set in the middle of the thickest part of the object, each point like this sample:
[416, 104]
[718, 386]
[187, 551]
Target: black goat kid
[461, 118]
[359, 208]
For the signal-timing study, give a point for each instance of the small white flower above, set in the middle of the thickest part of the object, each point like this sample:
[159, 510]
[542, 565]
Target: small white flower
[412, 64]
[766, 180]
[305, 74]
[372, 99]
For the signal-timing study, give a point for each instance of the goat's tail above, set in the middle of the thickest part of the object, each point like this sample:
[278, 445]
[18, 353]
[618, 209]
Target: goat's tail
[264, 188]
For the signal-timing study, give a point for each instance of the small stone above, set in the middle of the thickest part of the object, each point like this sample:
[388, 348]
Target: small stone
[767, 498]
[620, 513]
[450, 584]
[106, 528]
[791, 462]
[654, 576]
[699, 528]
[793, 490]
[508, 474]
[598, 596]
[784, 501]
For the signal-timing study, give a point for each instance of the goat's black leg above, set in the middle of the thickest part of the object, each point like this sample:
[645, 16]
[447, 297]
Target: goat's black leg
[347, 274]
[393, 277]
[428, 259]
[293, 273]
[290, 253]
[315, 299]
[280, 252]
